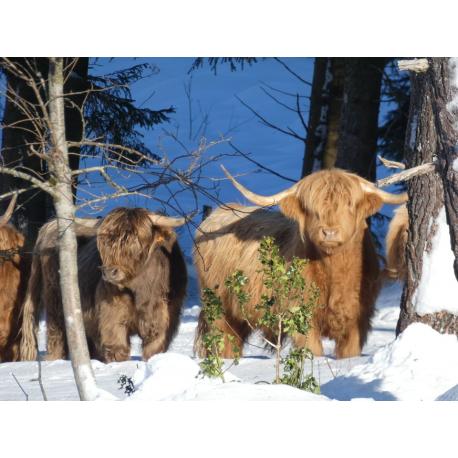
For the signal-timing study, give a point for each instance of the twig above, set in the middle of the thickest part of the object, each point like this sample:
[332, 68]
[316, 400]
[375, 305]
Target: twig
[284, 105]
[18, 191]
[269, 124]
[391, 164]
[20, 386]
[267, 169]
[299, 112]
[24, 176]
[330, 368]
[293, 72]
[407, 174]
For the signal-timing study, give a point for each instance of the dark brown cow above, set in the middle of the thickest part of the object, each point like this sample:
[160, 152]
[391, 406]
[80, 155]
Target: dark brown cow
[132, 278]
[12, 276]
[322, 218]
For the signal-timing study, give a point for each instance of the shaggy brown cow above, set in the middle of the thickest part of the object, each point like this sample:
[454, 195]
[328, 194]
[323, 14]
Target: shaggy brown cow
[12, 275]
[132, 278]
[322, 218]
[396, 241]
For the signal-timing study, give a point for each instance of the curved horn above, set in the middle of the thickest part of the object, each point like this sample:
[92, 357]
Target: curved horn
[9, 211]
[87, 227]
[264, 201]
[88, 222]
[167, 221]
[387, 197]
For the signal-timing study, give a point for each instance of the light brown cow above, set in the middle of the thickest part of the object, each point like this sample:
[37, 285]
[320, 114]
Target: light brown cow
[132, 278]
[323, 218]
[13, 271]
[396, 241]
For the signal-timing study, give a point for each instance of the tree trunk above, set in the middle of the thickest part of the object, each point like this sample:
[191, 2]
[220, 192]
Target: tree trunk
[334, 113]
[431, 291]
[65, 212]
[324, 115]
[359, 119]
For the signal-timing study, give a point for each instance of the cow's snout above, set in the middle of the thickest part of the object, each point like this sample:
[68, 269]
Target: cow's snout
[330, 234]
[112, 274]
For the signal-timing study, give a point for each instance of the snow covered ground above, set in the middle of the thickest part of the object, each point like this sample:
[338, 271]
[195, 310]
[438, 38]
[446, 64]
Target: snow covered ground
[420, 365]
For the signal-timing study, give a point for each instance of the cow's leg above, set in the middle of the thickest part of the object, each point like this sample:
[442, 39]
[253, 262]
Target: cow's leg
[115, 311]
[5, 327]
[6, 310]
[154, 328]
[51, 301]
[312, 341]
[57, 345]
[349, 345]
[234, 335]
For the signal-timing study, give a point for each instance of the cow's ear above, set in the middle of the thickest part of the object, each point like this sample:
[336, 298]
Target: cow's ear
[292, 208]
[371, 204]
[162, 235]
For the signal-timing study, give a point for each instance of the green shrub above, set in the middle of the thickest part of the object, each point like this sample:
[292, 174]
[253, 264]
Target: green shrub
[213, 339]
[286, 308]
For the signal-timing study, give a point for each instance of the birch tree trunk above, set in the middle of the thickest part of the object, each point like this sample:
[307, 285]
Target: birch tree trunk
[431, 291]
[65, 213]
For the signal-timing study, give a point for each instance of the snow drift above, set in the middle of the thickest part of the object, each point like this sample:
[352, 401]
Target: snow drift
[419, 365]
[175, 377]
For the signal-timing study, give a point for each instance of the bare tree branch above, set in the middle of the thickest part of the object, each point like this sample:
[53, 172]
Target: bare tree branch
[407, 174]
[391, 164]
[267, 169]
[26, 177]
[269, 124]
[293, 72]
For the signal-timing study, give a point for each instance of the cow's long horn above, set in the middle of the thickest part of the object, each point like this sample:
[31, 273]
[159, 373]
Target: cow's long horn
[264, 201]
[160, 220]
[9, 211]
[387, 197]
[87, 227]
[88, 222]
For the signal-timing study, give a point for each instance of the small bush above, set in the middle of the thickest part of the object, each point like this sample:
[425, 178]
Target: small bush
[213, 339]
[293, 370]
[284, 312]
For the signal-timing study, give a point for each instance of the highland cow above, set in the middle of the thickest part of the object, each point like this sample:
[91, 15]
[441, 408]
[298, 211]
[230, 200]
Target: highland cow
[396, 241]
[132, 279]
[13, 270]
[322, 218]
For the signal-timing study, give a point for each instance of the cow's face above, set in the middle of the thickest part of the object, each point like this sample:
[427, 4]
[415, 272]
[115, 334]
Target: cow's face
[330, 206]
[331, 209]
[125, 240]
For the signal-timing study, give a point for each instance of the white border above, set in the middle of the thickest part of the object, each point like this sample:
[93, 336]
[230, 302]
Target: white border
[228, 27]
